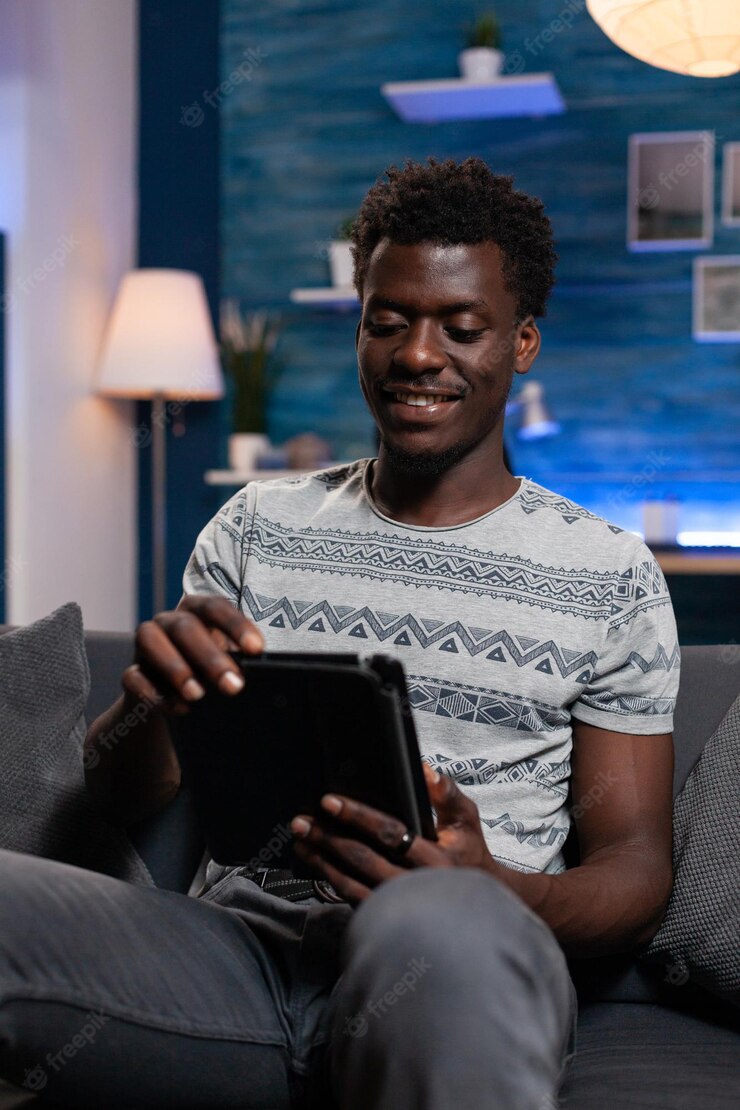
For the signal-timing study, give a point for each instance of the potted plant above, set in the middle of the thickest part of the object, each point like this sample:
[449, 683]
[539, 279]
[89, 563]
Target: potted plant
[483, 58]
[247, 350]
[340, 256]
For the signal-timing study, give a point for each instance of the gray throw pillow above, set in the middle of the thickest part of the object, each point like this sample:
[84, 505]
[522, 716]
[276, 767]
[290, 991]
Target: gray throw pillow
[699, 939]
[45, 809]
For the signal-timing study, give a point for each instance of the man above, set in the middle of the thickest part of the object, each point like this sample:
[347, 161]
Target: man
[540, 650]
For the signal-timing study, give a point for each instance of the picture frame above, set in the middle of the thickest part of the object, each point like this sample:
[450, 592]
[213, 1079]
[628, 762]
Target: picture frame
[731, 184]
[716, 299]
[670, 190]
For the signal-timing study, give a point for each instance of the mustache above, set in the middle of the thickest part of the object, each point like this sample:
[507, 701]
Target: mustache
[425, 383]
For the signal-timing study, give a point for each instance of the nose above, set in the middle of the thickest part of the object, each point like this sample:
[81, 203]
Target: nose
[419, 350]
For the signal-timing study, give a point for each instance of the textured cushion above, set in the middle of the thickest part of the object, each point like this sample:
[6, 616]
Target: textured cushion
[45, 809]
[700, 935]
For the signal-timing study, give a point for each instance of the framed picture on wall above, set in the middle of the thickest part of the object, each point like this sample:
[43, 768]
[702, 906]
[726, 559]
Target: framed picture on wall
[731, 184]
[717, 299]
[670, 190]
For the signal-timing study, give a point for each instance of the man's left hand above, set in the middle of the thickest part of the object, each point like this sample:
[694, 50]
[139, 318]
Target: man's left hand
[355, 866]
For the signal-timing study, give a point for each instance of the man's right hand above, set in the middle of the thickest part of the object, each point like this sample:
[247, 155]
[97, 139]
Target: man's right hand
[180, 654]
[130, 764]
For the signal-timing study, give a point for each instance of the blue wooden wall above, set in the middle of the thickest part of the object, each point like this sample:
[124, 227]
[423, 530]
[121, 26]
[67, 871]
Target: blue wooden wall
[643, 408]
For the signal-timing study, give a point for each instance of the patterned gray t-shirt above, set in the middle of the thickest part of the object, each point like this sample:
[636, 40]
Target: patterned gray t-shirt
[507, 626]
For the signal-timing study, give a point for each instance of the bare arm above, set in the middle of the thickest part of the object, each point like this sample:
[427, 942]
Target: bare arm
[130, 764]
[622, 806]
[612, 902]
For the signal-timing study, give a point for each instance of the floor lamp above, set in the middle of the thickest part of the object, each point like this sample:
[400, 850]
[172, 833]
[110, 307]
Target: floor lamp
[160, 346]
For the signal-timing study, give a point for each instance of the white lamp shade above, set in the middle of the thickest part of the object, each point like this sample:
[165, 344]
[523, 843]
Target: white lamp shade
[160, 339]
[697, 37]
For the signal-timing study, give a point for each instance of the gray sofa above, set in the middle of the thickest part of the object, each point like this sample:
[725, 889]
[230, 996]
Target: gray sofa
[643, 1041]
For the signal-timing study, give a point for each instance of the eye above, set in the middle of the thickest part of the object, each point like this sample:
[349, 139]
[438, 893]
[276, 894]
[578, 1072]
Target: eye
[463, 335]
[383, 329]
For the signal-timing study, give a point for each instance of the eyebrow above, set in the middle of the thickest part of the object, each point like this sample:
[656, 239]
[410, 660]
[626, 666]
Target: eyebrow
[445, 310]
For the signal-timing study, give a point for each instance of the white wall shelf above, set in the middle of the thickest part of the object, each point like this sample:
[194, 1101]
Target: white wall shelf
[241, 477]
[526, 94]
[334, 298]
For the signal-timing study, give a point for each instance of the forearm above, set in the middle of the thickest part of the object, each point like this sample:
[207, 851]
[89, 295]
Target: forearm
[131, 769]
[612, 903]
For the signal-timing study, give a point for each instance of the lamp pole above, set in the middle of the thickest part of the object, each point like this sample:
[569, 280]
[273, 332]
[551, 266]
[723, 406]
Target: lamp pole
[159, 504]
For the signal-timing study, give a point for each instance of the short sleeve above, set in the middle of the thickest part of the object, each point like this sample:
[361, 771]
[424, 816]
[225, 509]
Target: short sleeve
[635, 682]
[216, 564]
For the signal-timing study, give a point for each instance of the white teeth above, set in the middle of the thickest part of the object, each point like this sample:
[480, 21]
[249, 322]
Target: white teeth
[420, 399]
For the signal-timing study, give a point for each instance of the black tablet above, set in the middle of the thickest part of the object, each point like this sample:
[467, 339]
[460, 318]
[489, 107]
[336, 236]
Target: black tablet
[303, 726]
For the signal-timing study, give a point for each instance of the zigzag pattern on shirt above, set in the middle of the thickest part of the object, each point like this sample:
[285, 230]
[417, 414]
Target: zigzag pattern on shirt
[403, 629]
[484, 707]
[534, 497]
[597, 595]
[542, 837]
[481, 771]
[661, 660]
[632, 705]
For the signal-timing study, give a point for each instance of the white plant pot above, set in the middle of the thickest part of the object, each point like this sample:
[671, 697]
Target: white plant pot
[480, 63]
[340, 263]
[245, 448]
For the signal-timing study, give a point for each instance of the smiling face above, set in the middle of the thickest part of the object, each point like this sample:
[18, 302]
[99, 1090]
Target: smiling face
[437, 347]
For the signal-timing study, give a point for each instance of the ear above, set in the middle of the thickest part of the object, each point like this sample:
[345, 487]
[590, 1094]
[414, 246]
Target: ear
[527, 342]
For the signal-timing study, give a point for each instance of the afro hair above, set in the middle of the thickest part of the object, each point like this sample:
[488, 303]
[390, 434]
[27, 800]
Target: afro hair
[460, 202]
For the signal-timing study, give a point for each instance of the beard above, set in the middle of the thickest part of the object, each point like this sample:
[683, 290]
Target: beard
[423, 464]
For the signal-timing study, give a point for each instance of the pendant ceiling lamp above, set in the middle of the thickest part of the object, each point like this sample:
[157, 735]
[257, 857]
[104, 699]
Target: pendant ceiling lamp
[698, 37]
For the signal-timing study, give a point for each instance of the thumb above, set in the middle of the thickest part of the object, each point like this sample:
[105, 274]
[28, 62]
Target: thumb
[450, 804]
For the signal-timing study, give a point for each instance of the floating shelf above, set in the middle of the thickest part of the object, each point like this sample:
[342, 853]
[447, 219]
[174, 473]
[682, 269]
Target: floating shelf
[241, 477]
[527, 94]
[333, 298]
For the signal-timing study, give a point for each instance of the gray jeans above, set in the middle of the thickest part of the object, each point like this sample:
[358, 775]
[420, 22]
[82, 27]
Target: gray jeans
[442, 990]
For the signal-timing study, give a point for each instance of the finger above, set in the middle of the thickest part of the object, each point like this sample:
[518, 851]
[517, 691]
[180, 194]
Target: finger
[194, 647]
[351, 889]
[222, 641]
[142, 694]
[339, 845]
[139, 688]
[218, 612]
[451, 805]
[165, 666]
[387, 830]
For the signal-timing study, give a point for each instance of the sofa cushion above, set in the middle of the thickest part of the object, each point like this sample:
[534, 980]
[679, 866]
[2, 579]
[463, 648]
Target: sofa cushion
[699, 936]
[45, 809]
[647, 1057]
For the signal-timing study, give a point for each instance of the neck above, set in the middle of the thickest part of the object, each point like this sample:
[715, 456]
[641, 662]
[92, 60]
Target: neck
[471, 488]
